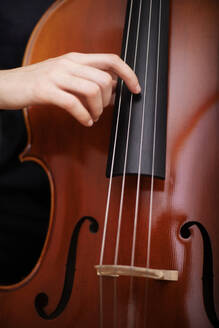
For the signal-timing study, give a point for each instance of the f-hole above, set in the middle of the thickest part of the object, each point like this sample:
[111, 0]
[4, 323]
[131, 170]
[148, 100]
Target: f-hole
[207, 276]
[42, 299]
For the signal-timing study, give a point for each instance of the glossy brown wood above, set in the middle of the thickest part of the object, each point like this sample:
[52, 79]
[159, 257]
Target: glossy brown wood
[75, 157]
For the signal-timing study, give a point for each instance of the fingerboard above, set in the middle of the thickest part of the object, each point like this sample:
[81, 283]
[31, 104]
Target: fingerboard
[145, 49]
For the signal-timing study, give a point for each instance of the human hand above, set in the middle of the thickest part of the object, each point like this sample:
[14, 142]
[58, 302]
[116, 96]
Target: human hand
[82, 84]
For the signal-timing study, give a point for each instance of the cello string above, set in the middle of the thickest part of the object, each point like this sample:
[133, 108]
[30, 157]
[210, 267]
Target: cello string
[115, 303]
[115, 142]
[141, 142]
[154, 143]
[110, 181]
[131, 303]
[127, 144]
[153, 165]
[130, 307]
[110, 185]
[101, 301]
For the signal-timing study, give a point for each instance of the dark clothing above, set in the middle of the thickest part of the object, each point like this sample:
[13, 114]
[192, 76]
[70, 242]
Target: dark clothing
[24, 187]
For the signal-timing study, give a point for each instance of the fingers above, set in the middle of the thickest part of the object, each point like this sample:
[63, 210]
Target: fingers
[87, 91]
[95, 76]
[109, 62]
[72, 105]
[102, 79]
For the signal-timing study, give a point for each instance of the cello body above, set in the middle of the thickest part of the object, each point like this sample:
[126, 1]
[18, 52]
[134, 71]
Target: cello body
[63, 289]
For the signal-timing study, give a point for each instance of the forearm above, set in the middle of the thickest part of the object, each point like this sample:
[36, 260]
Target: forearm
[15, 89]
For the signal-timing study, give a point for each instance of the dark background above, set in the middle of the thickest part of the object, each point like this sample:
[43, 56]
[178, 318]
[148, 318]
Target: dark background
[24, 188]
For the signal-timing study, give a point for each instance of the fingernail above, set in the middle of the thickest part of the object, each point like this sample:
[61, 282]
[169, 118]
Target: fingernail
[138, 89]
[90, 123]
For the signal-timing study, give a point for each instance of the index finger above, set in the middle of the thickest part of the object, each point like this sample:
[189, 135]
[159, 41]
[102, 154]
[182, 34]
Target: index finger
[109, 62]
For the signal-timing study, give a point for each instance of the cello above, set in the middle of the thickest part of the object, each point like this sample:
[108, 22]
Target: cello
[132, 240]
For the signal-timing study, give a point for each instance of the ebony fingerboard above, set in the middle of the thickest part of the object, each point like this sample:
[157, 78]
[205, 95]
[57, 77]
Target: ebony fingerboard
[151, 67]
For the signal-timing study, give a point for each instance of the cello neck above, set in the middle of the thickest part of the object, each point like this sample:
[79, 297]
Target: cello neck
[142, 119]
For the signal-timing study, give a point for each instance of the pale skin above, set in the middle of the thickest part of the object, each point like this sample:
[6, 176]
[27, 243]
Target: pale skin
[82, 84]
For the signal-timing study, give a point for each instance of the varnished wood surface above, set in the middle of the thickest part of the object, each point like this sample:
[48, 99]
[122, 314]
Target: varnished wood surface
[75, 158]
